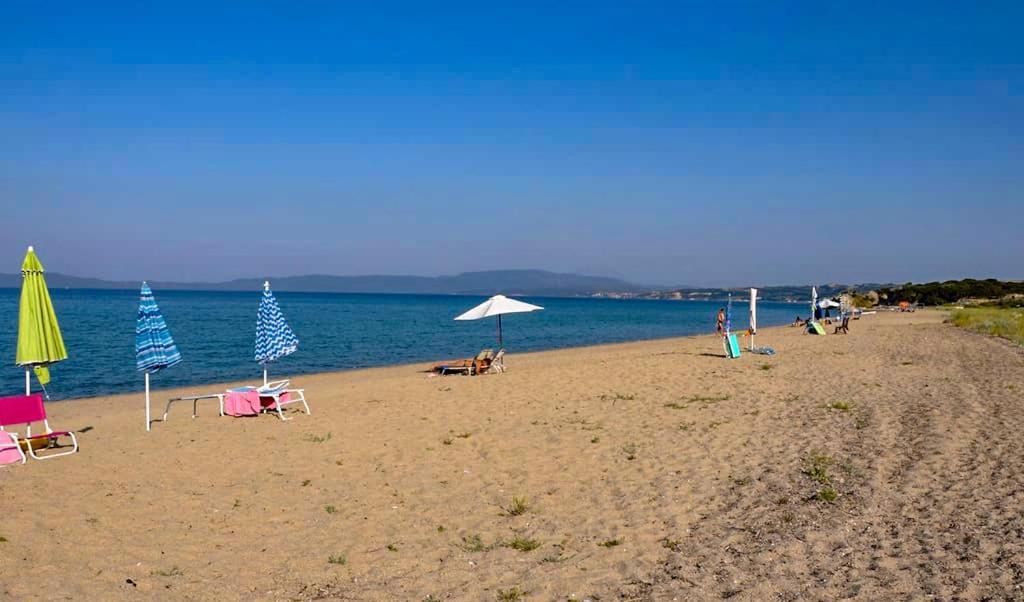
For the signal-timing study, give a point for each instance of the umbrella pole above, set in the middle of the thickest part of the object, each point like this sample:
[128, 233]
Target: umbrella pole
[147, 421]
[501, 343]
[264, 376]
[28, 383]
[147, 402]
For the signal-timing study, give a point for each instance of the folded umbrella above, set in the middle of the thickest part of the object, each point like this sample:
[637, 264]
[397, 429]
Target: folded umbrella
[154, 346]
[39, 340]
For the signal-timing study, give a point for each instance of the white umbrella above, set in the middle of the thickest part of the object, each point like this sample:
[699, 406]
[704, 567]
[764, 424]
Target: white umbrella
[496, 306]
[814, 301]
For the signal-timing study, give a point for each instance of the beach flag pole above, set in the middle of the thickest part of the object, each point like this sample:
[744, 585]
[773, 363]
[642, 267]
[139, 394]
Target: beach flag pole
[753, 316]
[728, 325]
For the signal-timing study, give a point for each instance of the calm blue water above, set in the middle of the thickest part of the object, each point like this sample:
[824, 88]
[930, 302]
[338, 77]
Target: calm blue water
[215, 332]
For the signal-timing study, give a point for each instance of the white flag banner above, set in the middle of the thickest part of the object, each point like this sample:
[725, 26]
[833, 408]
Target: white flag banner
[753, 311]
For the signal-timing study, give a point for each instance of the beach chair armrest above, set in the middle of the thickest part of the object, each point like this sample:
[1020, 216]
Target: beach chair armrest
[52, 436]
[49, 435]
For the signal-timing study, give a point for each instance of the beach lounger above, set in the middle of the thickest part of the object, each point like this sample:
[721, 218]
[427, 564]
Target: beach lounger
[281, 396]
[195, 399]
[28, 409]
[496, 365]
[476, 365]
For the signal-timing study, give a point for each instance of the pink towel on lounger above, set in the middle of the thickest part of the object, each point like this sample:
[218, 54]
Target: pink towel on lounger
[269, 403]
[242, 403]
[8, 453]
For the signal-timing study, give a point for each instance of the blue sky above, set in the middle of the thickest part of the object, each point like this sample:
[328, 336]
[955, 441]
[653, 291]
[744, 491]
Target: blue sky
[668, 143]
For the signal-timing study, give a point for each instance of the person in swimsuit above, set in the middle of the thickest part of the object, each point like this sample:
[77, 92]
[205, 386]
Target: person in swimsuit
[720, 325]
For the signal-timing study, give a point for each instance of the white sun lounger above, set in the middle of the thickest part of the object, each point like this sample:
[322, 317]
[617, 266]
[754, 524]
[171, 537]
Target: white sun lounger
[275, 390]
[195, 399]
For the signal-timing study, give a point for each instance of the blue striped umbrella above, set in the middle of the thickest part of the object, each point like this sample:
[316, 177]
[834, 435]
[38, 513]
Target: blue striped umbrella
[274, 338]
[154, 347]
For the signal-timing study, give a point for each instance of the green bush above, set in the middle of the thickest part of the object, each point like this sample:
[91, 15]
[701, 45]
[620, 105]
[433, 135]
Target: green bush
[1005, 323]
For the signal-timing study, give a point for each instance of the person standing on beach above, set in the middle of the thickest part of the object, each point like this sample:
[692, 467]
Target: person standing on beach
[720, 325]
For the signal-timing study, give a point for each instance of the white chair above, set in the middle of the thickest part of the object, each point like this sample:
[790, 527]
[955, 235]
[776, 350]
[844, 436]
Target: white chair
[497, 363]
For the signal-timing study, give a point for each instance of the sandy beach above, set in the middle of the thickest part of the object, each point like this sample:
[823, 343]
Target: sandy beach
[885, 464]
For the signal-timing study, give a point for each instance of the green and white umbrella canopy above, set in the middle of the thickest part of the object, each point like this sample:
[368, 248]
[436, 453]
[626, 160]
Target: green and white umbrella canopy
[39, 340]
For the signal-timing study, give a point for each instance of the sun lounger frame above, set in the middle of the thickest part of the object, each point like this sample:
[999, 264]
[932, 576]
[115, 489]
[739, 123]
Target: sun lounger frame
[195, 399]
[274, 390]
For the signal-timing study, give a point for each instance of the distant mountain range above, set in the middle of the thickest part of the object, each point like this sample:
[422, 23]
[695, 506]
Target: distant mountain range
[512, 282]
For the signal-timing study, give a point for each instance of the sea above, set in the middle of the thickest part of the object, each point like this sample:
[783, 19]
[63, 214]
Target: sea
[215, 333]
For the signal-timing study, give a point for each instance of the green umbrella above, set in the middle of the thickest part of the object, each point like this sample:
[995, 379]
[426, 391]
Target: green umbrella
[39, 340]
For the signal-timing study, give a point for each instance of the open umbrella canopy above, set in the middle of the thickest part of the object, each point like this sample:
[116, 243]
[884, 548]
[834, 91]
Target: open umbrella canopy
[274, 338]
[496, 306]
[39, 338]
[154, 346]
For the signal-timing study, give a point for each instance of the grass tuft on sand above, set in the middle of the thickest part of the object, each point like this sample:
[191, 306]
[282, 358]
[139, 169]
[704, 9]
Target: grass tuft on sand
[474, 543]
[523, 544]
[171, 572]
[518, 507]
[511, 595]
[311, 438]
[816, 467]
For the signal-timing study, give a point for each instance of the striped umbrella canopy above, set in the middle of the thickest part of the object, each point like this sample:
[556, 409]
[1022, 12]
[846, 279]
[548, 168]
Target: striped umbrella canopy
[154, 347]
[39, 340]
[274, 338]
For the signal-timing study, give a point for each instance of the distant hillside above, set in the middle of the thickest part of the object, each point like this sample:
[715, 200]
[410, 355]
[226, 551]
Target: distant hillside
[521, 282]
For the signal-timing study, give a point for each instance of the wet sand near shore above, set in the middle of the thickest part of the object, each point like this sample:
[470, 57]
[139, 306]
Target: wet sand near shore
[883, 464]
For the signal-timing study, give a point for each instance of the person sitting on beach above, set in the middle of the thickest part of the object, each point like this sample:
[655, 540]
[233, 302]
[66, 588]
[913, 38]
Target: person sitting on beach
[720, 325]
[798, 321]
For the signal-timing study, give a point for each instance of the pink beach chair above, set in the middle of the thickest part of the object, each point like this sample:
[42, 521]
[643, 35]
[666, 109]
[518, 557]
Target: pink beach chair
[26, 409]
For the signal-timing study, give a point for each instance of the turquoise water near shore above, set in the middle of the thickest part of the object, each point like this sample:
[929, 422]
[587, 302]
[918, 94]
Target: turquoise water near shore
[215, 332]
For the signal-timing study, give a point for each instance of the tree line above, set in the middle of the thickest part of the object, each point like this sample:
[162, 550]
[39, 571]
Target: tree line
[950, 291]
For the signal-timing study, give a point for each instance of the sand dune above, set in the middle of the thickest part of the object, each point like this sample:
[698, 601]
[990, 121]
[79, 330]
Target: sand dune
[649, 471]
